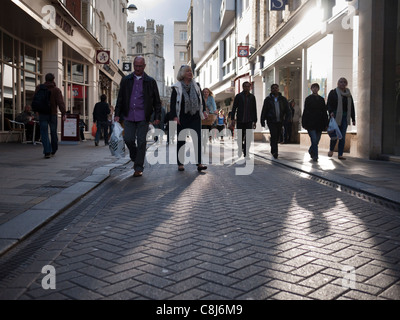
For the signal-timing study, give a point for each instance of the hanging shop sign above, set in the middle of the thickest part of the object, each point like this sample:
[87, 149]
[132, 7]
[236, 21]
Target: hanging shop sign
[103, 57]
[243, 51]
[278, 5]
[127, 66]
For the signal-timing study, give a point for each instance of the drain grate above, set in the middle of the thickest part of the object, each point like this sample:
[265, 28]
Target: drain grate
[341, 188]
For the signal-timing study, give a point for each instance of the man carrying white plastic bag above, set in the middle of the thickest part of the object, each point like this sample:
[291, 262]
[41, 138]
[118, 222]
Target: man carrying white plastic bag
[117, 143]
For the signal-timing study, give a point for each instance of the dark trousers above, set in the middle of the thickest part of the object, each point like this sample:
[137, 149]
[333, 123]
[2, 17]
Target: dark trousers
[194, 123]
[243, 145]
[136, 140]
[275, 129]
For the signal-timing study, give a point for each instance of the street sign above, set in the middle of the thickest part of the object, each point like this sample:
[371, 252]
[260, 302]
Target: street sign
[278, 5]
[103, 57]
[127, 66]
[243, 51]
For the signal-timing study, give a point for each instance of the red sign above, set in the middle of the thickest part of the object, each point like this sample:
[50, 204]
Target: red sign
[243, 51]
[103, 57]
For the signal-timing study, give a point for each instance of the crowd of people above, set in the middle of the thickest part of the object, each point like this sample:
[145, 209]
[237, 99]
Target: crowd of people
[194, 110]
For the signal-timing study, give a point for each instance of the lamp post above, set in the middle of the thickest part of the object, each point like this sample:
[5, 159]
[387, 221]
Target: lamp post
[131, 8]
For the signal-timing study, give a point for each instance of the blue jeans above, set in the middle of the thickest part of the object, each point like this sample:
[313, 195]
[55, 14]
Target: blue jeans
[102, 126]
[49, 146]
[342, 142]
[315, 137]
[136, 140]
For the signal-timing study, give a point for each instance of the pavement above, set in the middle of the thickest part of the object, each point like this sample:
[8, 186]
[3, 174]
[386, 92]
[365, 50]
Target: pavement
[35, 190]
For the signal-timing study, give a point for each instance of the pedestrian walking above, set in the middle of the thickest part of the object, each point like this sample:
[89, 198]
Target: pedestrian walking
[275, 111]
[221, 123]
[244, 110]
[45, 102]
[188, 109]
[100, 117]
[315, 119]
[138, 99]
[341, 107]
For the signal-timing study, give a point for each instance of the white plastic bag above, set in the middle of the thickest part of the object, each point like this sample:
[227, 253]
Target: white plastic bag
[333, 130]
[117, 143]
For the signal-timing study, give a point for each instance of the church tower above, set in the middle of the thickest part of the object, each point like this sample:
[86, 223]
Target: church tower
[149, 43]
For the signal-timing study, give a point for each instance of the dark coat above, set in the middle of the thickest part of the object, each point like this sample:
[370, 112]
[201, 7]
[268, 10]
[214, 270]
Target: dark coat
[269, 114]
[238, 107]
[101, 112]
[56, 98]
[333, 104]
[315, 115]
[152, 101]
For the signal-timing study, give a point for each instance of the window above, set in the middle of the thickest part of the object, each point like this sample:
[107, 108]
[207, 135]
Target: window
[182, 56]
[183, 35]
[139, 48]
[20, 67]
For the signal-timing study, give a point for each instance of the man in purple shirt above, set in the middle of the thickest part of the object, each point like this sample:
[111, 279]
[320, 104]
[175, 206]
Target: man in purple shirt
[138, 99]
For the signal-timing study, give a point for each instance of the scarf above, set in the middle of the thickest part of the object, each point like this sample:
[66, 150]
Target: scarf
[192, 103]
[339, 112]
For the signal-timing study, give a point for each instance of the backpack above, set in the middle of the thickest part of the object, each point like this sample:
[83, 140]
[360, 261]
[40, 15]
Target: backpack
[41, 100]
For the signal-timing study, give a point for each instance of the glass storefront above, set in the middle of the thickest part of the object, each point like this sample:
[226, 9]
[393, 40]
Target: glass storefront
[397, 111]
[20, 73]
[76, 88]
[319, 66]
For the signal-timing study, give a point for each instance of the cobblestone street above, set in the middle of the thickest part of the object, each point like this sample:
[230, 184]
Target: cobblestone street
[274, 234]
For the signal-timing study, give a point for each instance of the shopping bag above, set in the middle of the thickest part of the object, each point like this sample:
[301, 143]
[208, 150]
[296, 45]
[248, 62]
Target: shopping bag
[117, 143]
[94, 129]
[333, 130]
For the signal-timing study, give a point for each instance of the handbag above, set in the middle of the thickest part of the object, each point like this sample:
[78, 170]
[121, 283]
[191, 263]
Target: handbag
[94, 129]
[333, 130]
[210, 120]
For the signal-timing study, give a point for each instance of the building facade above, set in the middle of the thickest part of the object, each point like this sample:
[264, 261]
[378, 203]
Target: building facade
[181, 56]
[309, 41]
[59, 37]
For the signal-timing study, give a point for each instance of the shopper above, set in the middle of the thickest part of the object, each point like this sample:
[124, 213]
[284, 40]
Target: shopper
[138, 99]
[45, 102]
[315, 119]
[341, 107]
[275, 111]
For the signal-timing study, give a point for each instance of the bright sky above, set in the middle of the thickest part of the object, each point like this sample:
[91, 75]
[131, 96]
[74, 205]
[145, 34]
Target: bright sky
[163, 12]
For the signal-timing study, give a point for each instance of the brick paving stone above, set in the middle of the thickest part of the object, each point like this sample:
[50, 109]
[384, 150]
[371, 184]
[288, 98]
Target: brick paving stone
[170, 235]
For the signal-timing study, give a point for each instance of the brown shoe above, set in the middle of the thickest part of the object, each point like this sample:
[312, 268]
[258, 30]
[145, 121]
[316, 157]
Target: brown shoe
[330, 154]
[138, 174]
[341, 158]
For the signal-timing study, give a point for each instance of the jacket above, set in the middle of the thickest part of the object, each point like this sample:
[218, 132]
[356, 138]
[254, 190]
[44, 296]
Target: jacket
[315, 115]
[238, 107]
[177, 101]
[56, 98]
[101, 112]
[269, 114]
[152, 101]
[332, 104]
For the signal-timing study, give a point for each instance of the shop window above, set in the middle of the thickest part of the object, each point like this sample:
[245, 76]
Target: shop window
[77, 72]
[30, 58]
[1, 96]
[30, 87]
[8, 49]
